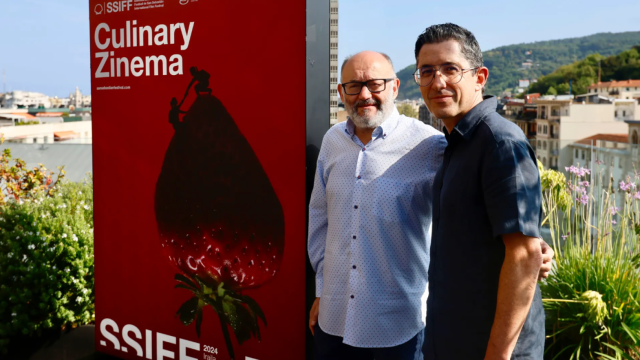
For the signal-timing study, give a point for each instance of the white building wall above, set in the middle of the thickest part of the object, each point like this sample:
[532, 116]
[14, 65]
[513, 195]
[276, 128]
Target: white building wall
[40, 134]
[333, 63]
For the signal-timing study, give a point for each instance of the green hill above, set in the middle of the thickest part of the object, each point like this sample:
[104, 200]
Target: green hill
[623, 66]
[506, 62]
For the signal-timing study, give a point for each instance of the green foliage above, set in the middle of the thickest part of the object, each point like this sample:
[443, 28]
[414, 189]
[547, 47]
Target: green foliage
[46, 262]
[623, 66]
[592, 297]
[28, 122]
[505, 62]
[407, 110]
[552, 91]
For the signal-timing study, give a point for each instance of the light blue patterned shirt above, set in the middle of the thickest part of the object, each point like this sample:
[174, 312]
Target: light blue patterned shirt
[370, 230]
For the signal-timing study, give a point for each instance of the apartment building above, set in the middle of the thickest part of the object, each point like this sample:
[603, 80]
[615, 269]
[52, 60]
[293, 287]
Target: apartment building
[333, 61]
[626, 89]
[560, 122]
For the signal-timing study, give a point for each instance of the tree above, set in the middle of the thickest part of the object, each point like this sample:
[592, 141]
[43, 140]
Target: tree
[407, 110]
[552, 91]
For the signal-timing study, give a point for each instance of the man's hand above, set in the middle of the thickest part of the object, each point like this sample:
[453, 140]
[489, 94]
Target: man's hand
[547, 256]
[313, 315]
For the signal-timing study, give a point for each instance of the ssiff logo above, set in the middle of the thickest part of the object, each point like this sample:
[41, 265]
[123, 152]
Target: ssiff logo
[98, 9]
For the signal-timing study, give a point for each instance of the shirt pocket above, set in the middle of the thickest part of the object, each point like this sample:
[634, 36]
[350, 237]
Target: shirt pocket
[392, 199]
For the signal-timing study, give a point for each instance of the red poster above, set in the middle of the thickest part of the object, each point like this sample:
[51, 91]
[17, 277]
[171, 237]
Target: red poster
[199, 178]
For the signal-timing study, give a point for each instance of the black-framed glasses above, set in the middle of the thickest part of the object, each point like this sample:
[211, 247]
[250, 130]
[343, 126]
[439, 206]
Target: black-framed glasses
[374, 86]
[451, 74]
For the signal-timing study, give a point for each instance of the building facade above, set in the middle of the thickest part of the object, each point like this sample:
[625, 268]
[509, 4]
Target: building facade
[427, 117]
[561, 122]
[25, 100]
[333, 61]
[627, 89]
[78, 100]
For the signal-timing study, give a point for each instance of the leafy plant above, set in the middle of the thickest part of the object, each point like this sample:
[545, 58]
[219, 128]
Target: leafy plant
[19, 183]
[592, 298]
[46, 261]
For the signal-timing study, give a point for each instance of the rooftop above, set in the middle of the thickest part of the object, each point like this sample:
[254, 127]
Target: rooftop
[613, 83]
[620, 138]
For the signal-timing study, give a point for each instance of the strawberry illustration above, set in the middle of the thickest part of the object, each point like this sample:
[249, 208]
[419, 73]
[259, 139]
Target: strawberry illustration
[220, 222]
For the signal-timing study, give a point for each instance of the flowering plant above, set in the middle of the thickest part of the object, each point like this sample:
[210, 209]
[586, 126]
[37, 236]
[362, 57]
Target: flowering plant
[19, 183]
[592, 297]
[46, 261]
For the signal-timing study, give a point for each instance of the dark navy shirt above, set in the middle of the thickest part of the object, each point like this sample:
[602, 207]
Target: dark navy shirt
[487, 186]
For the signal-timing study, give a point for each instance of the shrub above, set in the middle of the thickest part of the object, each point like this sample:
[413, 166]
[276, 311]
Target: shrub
[592, 298]
[46, 261]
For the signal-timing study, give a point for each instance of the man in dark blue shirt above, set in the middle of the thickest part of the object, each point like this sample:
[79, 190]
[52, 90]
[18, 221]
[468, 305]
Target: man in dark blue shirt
[484, 302]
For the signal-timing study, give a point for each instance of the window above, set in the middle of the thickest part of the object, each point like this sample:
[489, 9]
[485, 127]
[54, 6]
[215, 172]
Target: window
[544, 145]
[582, 151]
[334, 57]
[634, 137]
[334, 10]
[615, 113]
[334, 22]
[624, 112]
[577, 155]
[539, 144]
[544, 161]
[334, 34]
[620, 163]
[334, 80]
[544, 129]
[334, 46]
[334, 69]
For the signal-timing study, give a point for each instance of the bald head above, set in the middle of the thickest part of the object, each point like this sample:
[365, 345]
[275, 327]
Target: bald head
[369, 59]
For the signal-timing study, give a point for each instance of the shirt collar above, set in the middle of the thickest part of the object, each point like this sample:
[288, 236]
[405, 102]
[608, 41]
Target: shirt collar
[467, 125]
[384, 130]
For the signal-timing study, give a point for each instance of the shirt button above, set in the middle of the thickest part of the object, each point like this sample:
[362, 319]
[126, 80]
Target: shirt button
[359, 176]
[354, 236]
[352, 296]
[355, 207]
[354, 266]
[363, 149]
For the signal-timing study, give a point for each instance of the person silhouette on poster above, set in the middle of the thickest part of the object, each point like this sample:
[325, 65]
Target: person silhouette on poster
[202, 77]
[174, 114]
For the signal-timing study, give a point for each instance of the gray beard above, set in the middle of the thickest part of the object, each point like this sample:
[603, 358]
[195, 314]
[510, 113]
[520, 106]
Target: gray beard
[366, 121]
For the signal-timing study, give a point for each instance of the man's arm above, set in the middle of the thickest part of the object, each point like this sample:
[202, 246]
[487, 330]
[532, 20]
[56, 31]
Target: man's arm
[522, 261]
[318, 226]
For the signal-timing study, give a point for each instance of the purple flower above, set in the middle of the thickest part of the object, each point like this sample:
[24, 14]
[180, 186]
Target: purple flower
[564, 237]
[613, 222]
[583, 171]
[614, 210]
[585, 184]
[625, 187]
[572, 169]
[583, 199]
[599, 162]
[637, 195]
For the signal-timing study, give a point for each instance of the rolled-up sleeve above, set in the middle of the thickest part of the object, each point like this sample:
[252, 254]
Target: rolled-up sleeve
[318, 221]
[512, 192]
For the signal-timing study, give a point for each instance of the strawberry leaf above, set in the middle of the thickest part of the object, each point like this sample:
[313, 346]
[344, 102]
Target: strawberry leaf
[188, 310]
[255, 308]
[185, 280]
[198, 321]
[183, 286]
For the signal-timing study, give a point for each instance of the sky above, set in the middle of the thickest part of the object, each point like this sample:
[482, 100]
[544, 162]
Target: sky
[45, 43]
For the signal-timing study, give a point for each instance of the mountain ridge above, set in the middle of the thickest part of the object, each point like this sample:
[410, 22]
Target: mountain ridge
[505, 63]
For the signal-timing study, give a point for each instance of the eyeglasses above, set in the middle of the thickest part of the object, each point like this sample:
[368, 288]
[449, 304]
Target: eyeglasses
[374, 86]
[451, 73]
